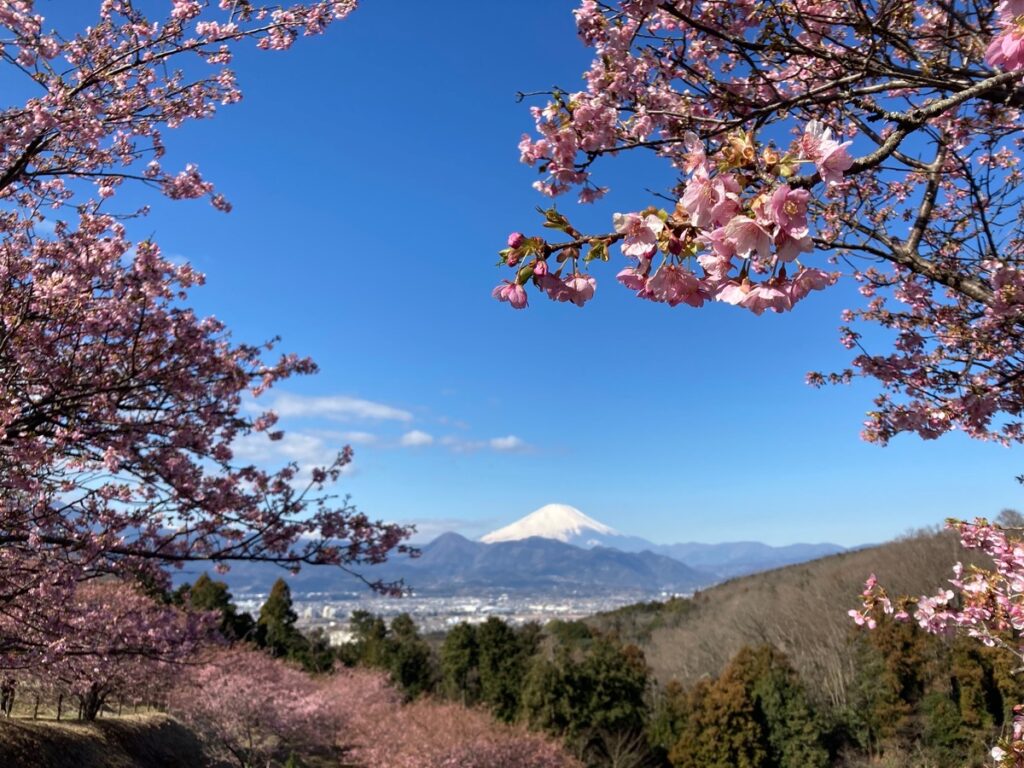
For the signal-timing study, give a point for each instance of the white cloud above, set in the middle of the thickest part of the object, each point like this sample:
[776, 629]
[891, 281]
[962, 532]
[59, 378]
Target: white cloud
[507, 443]
[339, 407]
[308, 450]
[416, 438]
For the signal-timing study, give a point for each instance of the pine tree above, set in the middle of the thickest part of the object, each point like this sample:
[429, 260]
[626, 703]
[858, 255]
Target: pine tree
[276, 624]
[409, 657]
[460, 665]
[209, 595]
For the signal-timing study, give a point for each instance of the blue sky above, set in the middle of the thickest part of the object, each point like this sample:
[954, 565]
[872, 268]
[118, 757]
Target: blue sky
[375, 174]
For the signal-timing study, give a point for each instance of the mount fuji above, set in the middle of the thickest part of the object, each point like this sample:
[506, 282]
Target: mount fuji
[567, 524]
[554, 550]
[570, 526]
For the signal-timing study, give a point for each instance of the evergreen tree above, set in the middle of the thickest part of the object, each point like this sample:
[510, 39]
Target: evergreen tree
[756, 714]
[209, 595]
[667, 716]
[460, 665]
[794, 737]
[504, 657]
[593, 696]
[408, 657]
[368, 646]
[276, 624]
[721, 728]
[314, 652]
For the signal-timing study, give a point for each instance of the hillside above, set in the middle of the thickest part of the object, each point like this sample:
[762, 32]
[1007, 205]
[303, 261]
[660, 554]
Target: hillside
[801, 609]
[152, 741]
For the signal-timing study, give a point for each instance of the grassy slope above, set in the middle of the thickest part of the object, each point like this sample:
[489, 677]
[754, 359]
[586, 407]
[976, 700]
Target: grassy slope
[149, 741]
[801, 609]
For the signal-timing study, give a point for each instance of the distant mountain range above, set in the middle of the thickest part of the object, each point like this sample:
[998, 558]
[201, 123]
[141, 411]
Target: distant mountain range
[557, 548]
[569, 525]
[452, 564]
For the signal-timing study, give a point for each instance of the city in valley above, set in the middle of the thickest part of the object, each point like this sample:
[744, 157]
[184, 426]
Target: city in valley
[434, 613]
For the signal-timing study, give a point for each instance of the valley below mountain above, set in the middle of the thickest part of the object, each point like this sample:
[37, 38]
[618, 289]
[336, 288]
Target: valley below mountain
[556, 550]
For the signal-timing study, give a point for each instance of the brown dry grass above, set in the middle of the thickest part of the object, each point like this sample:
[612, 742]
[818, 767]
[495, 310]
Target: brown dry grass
[139, 741]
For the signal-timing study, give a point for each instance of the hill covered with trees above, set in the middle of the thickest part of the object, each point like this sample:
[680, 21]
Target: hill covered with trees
[765, 671]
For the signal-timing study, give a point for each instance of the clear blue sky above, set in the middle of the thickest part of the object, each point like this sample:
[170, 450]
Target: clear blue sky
[375, 174]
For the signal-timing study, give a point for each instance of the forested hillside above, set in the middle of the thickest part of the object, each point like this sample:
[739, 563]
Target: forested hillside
[800, 609]
[766, 671]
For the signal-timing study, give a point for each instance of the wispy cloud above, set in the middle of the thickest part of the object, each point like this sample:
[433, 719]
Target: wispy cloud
[416, 438]
[507, 443]
[336, 407]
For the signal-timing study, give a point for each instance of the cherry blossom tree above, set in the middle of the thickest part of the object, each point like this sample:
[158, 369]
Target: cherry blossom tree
[109, 640]
[118, 404]
[810, 140]
[251, 708]
[380, 732]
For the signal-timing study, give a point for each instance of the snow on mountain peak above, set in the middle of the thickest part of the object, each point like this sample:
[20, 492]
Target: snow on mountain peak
[552, 521]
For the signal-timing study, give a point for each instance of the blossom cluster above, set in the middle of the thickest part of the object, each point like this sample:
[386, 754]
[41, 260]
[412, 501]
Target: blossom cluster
[734, 236]
[798, 145]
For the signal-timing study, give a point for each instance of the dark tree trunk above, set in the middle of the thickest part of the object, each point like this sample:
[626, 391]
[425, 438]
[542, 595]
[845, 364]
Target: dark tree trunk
[92, 702]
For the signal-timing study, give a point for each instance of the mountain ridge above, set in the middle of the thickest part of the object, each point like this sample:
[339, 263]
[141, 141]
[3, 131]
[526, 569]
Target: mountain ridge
[725, 560]
[451, 564]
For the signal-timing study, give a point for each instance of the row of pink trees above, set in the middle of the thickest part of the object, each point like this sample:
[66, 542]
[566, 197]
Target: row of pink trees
[118, 405]
[252, 709]
[814, 140]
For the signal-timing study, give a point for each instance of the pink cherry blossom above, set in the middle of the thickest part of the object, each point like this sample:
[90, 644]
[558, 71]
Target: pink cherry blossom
[710, 200]
[733, 292]
[633, 278]
[121, 406]
[1006, 50]
[580, 288]
[831, 158]
[787, 249]
[511, 292]
[788, 209]
[747, 237]
[641, 233]
[763, 296]
[674, 285]
[826, 157]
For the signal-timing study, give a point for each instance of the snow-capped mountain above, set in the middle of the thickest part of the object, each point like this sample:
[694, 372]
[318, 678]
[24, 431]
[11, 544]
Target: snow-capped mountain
[552, 521]
[567, 524]
[562, 522]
